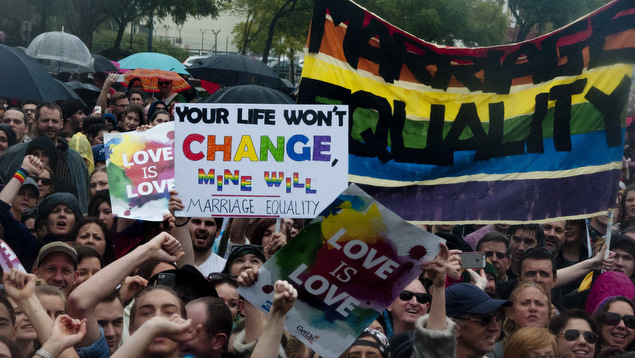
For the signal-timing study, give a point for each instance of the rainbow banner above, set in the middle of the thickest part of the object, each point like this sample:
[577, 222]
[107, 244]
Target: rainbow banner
[523, 132]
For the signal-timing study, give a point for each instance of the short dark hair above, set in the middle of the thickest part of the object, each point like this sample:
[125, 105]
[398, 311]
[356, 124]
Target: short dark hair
[71, 107]
[494, 236]
[219, 317]
[539, 234]
[84, 252]
[49, 105]
[539, 253]
[557, 324]
[13, 347]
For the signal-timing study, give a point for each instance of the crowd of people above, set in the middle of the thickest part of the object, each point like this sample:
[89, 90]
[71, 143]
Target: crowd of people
[97, 285]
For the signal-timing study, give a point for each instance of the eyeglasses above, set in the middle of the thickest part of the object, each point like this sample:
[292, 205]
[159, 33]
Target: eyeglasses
[499, 255]
[422, 298]
[485, 320]
[573, 334]
[613, 319]
[214, 276]
[164, 83]
[45, 181]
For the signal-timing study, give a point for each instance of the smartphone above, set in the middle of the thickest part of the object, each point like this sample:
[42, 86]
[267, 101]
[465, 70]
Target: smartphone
[97, 110]
[472, 260]
[166, 279]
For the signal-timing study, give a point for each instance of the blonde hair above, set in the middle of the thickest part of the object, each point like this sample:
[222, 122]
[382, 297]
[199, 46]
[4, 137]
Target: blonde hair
[509, 326]
[529, 339]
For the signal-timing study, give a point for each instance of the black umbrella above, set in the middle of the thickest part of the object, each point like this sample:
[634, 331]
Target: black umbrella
[22, 77]
[234, 70]
[88, 92]
[70, 92]
[249, 94]
[103, 64]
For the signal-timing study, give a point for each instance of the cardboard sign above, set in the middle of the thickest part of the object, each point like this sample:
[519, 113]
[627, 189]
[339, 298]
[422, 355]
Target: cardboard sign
[260, 160]
[140, 169]
[348, 265]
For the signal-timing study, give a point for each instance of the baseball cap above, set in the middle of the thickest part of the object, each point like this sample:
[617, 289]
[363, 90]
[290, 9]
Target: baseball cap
[467, 298]
[29, 183]
[53, 247]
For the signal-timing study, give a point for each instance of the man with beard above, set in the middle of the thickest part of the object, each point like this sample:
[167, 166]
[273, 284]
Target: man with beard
[203, 232]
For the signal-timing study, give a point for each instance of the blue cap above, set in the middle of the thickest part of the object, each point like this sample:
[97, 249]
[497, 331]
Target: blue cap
[99, 153]
[467, 298]
[111, 116]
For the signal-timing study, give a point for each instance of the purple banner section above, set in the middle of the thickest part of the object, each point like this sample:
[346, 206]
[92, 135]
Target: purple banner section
[502, 201]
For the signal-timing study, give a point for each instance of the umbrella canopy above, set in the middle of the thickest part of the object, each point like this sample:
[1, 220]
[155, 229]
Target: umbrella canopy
[150, 79]
[249, 94]
[69, 91]
[88, 92]
[22, 77]
[153, 60]
[61, 52]
[233, 70]
[103, 64]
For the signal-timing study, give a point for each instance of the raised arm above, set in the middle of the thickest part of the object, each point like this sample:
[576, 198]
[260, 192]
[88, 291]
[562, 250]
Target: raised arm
[446, 263]
[269, 342]
[65, 334]
[20, 287]
[102, 100]
[84, 298]
[30, 165]
[174, 328]
[254, 319]
[181, 231]
[569, 274]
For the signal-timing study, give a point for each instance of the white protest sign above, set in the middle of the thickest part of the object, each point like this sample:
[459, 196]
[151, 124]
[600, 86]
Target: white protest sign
[259, 160]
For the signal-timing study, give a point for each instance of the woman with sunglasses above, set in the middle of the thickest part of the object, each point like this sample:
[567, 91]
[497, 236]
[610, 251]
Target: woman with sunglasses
[615, 320]
[575, 334]
[45, 182]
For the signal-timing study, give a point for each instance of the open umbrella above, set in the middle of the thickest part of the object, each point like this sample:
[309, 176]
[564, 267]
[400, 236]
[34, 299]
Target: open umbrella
[153, 60]
[233, 70]
[88, 92]
[22, 77]
[70, 92]
[103, 64]
[61, 52]
[249, 94]
[150, 79]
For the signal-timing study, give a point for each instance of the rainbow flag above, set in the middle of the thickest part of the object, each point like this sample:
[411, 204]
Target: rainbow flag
[524, 132]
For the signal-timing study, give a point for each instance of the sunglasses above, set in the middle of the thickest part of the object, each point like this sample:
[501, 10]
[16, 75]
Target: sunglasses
[573, 334]
[485, 320]
[499, 255]
[613, 319]
[164, 83]
[422, 298]
[45, 181]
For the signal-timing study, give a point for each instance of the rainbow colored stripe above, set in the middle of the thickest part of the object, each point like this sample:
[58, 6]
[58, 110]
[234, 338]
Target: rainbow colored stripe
[515, 133]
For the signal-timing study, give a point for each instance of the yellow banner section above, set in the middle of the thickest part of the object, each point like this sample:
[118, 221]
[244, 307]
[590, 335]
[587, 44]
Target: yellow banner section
[418, 97]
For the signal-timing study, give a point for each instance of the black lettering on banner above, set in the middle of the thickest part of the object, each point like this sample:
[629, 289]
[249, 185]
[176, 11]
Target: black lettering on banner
[375, 145]
[544, 56]
[562, 116]
[611, 107]
[535, 138]
[496, 148]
